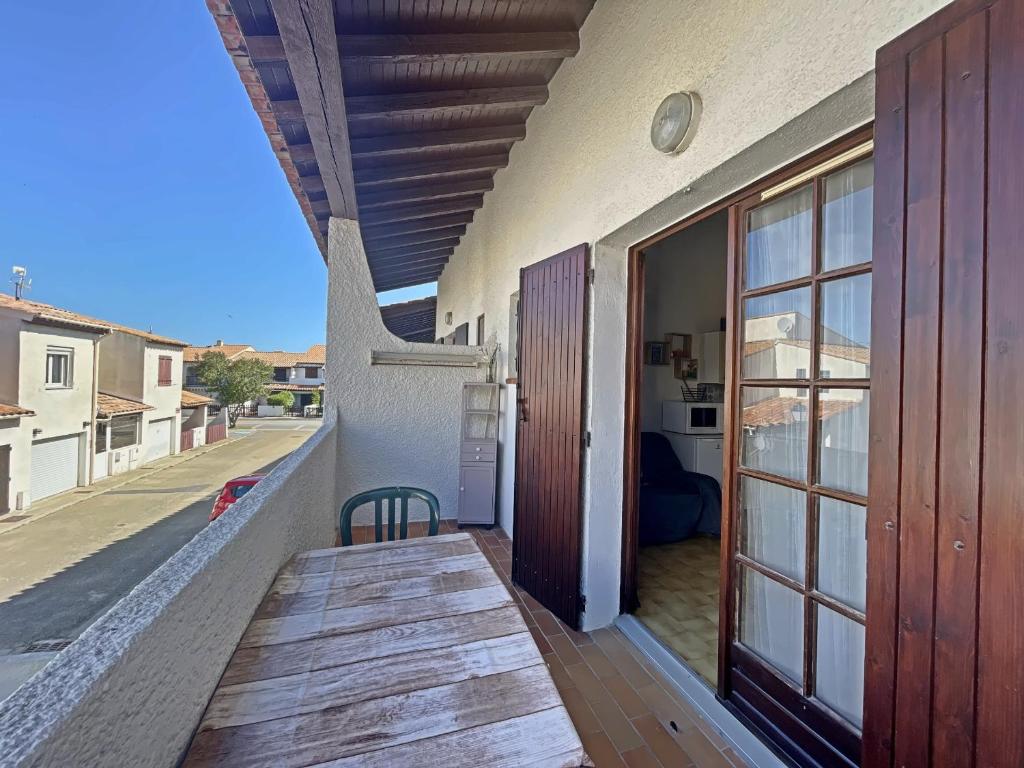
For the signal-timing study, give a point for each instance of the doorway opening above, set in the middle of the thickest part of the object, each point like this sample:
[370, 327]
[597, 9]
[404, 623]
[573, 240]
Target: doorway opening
[682, 395]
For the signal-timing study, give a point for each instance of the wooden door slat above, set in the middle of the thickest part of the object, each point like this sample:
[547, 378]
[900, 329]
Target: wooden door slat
[1000, 671]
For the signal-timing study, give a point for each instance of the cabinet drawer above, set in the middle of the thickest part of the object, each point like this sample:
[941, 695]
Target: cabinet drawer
[477, 458]
[482, 449]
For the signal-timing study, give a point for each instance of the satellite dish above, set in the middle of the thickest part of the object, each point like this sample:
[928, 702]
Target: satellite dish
[675, 122]
[785, 324]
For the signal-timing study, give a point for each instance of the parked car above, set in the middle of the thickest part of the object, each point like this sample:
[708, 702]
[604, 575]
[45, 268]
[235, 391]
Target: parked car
[232, 491]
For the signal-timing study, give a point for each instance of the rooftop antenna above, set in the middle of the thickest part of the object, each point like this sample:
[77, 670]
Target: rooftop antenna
[22, 282]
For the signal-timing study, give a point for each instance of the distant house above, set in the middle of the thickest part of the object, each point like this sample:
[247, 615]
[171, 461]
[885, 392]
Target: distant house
[301, 373]
[80, 398]
[192, 356]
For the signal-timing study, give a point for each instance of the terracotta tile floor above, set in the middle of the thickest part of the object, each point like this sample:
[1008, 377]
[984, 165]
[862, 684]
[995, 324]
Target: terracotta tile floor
[626, 713]
[678, 585]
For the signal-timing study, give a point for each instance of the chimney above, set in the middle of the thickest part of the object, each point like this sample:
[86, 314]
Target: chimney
[219, 343]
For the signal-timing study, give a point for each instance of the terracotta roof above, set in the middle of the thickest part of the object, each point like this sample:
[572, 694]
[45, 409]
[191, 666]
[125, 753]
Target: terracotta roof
[108, 405]
[13, 411]
[775, 411]
[45, 313]
[230, 351]
[192, 400]
[316, 355]
[282, 387]
[844, 351]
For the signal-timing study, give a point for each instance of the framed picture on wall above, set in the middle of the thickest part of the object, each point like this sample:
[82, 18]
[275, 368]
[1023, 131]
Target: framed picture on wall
[655, 353]
[679, 345]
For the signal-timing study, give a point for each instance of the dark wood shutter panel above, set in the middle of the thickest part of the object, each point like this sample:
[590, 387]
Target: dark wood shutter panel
[945, 645]
[164, 377]
[546, 547]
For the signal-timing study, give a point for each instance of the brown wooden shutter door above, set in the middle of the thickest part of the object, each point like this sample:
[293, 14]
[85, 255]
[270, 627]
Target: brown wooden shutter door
[945, 620]
[549, 436]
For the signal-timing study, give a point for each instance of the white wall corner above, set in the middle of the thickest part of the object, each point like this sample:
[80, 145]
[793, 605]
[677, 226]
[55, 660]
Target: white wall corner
[398, 424]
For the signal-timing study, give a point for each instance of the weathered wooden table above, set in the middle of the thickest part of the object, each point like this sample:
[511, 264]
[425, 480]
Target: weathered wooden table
[405, 653]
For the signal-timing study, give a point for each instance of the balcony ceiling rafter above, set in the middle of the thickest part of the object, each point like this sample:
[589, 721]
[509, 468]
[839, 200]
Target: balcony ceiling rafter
[397, 115]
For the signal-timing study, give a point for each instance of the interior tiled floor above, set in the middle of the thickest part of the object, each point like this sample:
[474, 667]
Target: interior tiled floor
[626, 713]
[678, 585]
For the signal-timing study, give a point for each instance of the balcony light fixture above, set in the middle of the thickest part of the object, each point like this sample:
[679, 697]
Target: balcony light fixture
[675, 122]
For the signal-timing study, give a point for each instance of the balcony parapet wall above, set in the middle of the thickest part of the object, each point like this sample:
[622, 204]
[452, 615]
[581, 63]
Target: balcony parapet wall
[133, 687]
[399, 402]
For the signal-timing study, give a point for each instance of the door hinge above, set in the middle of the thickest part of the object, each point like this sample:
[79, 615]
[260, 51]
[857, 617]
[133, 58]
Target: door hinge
[591, 275]
[586, 439]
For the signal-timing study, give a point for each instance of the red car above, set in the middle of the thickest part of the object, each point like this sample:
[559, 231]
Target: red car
[232, 491]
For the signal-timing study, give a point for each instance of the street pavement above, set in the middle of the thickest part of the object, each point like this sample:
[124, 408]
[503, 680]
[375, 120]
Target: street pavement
[60, 571]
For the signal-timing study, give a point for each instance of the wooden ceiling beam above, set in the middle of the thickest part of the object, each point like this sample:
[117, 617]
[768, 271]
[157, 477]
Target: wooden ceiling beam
[409, 250]
[425, 48]
[412, 171]
[419, 210]
[428, 257]
[363, 108]
[311, 48]
[379, 231]
[400, 274]
[407, 282]
[455, 138]
[414, 238]
[424, 191]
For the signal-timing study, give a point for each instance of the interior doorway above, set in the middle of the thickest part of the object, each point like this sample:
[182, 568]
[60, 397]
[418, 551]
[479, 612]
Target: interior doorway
[682, 389]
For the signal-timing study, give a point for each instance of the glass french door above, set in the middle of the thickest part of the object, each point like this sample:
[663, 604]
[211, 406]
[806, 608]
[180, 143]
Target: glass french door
[801, 396]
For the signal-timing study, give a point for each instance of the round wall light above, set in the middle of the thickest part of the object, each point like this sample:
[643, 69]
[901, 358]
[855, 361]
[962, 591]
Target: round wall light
[675, 122]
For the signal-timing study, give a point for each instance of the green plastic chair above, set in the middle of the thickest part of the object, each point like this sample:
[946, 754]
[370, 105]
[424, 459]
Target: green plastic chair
[378, 496]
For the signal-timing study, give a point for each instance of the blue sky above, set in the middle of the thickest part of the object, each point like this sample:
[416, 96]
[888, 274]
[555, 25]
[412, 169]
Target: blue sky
[137, 185]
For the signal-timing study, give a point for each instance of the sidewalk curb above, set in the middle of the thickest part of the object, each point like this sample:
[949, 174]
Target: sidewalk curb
[129, 477]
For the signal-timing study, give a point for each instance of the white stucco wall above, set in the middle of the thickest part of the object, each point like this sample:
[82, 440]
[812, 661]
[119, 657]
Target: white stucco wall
[398, 424]
[17, 434]
[777, 80]
[132, 688]
[166, 400]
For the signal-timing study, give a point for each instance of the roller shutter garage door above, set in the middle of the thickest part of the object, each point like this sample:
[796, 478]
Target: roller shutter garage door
[158, 439]
[54, 466]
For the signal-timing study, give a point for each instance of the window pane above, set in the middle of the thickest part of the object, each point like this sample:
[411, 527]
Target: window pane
[845, 329]
[846, 216]
[774, 437]
[773, 526]
[843, 439]
[123, 431]
[840, 664]
[842, 551]
[771, 622]
[777, 335]
[779, 239]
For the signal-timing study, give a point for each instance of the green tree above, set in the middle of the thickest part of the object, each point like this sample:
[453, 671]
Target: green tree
[285, 398]
[315, 397]
[234, 382]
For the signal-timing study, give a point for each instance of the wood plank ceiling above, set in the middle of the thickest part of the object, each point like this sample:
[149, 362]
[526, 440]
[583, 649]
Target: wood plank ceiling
[433, 95]
[412, 320]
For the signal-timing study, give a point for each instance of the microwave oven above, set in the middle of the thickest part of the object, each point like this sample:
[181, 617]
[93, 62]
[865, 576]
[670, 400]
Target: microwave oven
[689, 418]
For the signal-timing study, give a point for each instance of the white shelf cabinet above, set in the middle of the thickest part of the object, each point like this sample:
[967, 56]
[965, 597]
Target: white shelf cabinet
[478, 454]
